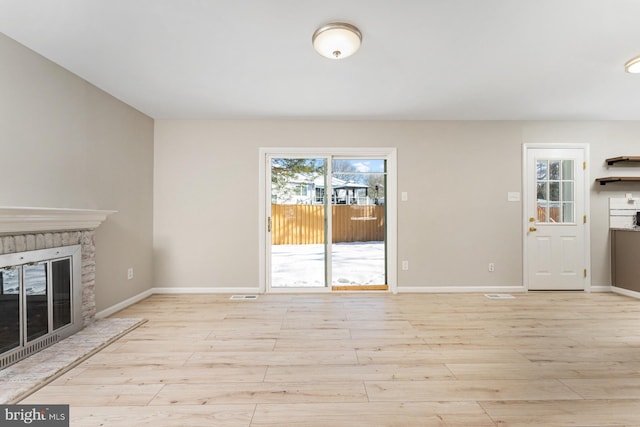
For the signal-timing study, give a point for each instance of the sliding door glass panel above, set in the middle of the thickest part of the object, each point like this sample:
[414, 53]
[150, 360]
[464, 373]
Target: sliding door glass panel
[358, 222]
[298, 238]
[9, 308]
[35, 289]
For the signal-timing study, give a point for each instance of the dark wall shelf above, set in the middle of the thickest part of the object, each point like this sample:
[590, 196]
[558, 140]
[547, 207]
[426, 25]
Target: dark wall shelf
[609, 179]
[619, 159]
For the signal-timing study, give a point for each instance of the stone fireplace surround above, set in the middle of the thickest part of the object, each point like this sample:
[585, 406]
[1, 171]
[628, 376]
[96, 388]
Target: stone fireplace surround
[27, 229]
[29, 242]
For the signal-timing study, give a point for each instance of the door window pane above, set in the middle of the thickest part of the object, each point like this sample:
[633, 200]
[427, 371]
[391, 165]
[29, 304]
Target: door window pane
[567, 191]
[554, 169]
[541, 169]
[542, 212]
[554, 192]
[567, 212]
[567, 169]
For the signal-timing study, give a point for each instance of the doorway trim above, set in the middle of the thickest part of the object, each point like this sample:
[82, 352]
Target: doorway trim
[388, 153]
[586, 197]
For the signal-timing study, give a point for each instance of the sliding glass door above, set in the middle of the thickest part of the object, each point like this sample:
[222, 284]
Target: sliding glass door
[326, 224]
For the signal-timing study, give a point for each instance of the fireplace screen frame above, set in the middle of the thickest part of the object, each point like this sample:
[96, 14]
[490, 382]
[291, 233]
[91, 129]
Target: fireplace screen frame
[21, 260]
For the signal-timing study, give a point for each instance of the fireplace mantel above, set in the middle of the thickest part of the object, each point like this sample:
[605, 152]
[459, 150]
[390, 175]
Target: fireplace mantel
[17, 220]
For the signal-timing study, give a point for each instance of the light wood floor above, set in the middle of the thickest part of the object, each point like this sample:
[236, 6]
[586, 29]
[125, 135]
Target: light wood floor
[542, 359]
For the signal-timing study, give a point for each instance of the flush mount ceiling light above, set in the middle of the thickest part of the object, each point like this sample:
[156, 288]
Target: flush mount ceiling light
[337, 40]
[633, 65]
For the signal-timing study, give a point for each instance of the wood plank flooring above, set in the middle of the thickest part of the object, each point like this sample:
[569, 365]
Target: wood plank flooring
[541, 359]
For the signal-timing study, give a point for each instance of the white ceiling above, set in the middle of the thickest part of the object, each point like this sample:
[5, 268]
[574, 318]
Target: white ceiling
[420, 59]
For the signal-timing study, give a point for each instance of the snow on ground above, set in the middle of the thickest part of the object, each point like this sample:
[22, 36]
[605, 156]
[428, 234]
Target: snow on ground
[358, 263]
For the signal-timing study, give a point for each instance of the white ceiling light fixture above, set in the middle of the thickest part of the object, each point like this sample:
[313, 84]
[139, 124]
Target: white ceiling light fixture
[633, 65]
[337, 40]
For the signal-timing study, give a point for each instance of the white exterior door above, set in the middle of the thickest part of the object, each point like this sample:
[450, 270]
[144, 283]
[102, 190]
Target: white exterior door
[556, 244]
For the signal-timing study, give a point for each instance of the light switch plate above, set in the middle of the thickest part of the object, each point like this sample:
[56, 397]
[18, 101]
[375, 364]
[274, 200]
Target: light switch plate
[513, 196]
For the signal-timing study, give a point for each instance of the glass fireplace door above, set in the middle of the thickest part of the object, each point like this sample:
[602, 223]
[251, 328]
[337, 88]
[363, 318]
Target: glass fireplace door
[35, 300]
[10, 313]
[61, 293]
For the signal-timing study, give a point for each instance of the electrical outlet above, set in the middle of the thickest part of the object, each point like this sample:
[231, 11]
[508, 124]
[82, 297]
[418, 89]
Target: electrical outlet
[492, 267]
[130, 273]
[405, 265]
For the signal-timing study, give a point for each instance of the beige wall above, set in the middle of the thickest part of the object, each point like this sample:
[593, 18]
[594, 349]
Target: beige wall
[84, 149]
[457, 174]
[65, 143]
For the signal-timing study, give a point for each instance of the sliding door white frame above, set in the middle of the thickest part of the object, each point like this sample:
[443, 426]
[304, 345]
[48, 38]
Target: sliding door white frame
[387, 153]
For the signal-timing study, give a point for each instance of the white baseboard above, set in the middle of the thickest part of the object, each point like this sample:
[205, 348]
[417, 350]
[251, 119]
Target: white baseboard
[600, 289]
[480, 289]
[124, 304]
[460, 289]
[209, 290]
[625, 292]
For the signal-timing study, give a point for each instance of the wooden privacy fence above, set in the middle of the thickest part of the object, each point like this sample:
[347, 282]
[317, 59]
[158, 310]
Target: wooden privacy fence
[554, 214]
[303, 224]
